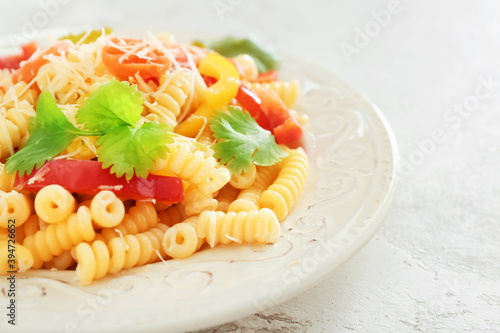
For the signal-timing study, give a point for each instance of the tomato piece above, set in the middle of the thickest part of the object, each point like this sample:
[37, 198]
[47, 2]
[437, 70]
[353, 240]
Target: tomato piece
[267, 76]
[273, 107]
[181, 52]
[251, 102]
[149, 64]
[88, 177]
[30, 68]
[14, 61]
[271, 113]
[288, 132]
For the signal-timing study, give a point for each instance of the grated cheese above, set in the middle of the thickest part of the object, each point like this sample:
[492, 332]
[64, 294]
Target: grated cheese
[110, 187]
[127, 247]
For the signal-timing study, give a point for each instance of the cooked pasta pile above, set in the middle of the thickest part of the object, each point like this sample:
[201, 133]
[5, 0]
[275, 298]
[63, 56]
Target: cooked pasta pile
[212, 157]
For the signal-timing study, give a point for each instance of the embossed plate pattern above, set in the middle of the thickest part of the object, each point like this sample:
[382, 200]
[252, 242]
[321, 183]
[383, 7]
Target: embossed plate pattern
[348, 193]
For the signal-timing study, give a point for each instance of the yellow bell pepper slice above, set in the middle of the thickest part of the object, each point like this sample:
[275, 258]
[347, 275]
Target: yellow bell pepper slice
[217, 95]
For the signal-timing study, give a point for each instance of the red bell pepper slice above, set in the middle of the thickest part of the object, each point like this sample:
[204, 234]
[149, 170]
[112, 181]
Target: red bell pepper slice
[251, 102]
[88, 177]
[288, 132]
[271, 114]
[14, 61]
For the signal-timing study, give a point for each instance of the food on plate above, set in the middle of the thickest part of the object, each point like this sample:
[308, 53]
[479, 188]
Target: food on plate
[118, 152]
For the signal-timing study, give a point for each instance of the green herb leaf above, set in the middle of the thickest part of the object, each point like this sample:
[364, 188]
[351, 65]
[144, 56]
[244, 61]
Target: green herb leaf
[128, 149]
[91, 36]
[50, 133]
[265, 58]
[246, 141]
[113, 104]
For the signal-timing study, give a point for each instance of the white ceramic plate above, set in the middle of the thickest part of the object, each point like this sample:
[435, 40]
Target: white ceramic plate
[349, 191]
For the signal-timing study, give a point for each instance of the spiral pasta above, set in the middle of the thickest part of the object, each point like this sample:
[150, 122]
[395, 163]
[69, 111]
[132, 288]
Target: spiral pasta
[17, 93]
[249, 198]
[172, 215]
[196, 201]
[245, 179]
[288, 91]
[61, 262]
[226, 196]
[171, 95]
[181, 240]
[14, 127]
[6, 180]
[284, 192]
[52, 241]
[187, 162]
[14, 206]
[54, 204]
[23, 259]
[256, 226]
[106, 209]
[139, 218]
[98, 259]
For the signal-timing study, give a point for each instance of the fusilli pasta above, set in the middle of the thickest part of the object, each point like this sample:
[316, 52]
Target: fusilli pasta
[14, 206]
[97, 259]
[256, 226]
[54, 204]
[285, 190]
[52, 241]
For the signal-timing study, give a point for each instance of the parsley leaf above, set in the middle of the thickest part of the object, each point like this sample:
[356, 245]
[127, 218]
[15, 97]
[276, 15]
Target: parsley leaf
[50, 133]
[246, 141]
[113, 104]
[126, 149]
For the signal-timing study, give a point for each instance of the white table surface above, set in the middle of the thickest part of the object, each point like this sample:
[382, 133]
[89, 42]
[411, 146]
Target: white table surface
[434, 265]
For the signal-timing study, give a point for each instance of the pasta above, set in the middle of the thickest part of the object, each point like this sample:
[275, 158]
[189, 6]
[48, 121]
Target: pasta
[14, 127]
[245, 179]
[140, 218]
[54, 204]
[118, 152]
[14, 206]
[187, 161]
[249, 198]
[23, 259]
[181, 240]
[288, 91]
[172, 93]
[98, 259]
[106, 209]
[6, 180]
[227, 195]
[171, 215]
[284, 192]
[260, 226]
[52, 241]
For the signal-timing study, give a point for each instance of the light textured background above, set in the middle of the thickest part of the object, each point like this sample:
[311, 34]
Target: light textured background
[434, 266]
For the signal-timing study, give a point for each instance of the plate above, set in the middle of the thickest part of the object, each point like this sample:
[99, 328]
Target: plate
[353, 158]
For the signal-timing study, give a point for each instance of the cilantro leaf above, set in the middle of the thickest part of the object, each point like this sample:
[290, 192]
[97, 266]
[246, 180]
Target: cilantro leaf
[50, 133]
[246, 141]
[126, 149]
[113, 104]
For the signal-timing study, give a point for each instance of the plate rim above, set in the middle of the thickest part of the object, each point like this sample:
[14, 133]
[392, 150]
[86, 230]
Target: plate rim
[354, 246]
